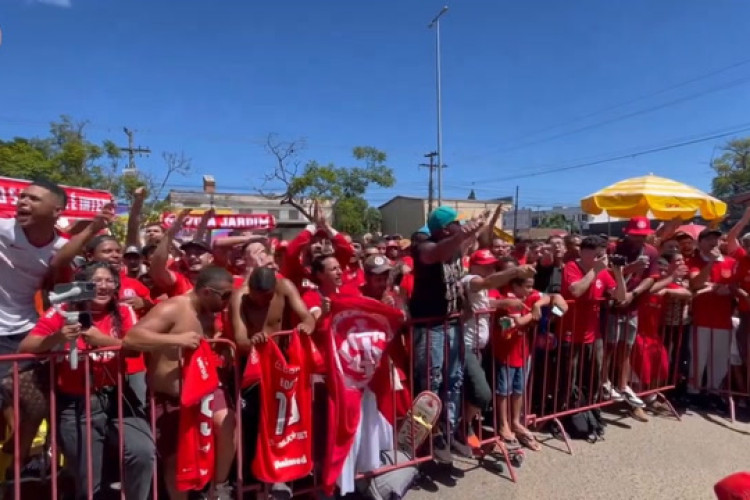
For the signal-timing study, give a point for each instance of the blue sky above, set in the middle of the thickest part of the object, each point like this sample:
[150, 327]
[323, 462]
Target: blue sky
[529, 87]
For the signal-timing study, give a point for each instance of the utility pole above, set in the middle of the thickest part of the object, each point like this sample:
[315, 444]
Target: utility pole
[515, 218]
[430, 189]
[438, 84]
[132, 151]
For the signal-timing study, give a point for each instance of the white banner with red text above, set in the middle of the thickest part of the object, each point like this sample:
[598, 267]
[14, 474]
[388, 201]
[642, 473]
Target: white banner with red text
[233, 221]
[83, 203]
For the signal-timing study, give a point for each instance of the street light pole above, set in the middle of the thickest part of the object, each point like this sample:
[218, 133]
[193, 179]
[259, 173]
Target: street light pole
[436, 23]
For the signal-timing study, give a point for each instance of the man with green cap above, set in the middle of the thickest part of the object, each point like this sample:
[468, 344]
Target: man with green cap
[438, 293]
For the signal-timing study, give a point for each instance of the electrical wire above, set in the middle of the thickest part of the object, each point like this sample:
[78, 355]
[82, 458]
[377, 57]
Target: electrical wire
[743, 128]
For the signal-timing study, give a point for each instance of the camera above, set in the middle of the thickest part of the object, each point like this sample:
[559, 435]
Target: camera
[618, 260]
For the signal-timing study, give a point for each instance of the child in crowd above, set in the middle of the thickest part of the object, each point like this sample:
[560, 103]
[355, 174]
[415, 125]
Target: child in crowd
[521, 307]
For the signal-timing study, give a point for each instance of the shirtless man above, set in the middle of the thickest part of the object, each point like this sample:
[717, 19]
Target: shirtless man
[181, 322]
[259, 307]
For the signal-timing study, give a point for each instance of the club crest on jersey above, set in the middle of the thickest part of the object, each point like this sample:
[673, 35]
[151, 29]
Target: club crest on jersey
[360, 340]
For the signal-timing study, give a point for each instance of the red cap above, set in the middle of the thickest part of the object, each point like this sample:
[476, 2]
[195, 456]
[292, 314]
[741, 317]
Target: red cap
[734, 487]
[639, 226]
[482, 258]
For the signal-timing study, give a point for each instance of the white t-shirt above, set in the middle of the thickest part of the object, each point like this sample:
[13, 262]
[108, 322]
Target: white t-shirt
[22, 269]
[476, 327]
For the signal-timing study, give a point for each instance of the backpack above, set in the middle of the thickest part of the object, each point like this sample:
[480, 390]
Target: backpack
[586, 425]
[391, 485]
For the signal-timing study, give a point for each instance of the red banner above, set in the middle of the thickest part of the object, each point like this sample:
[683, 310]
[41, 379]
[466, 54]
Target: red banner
[234, 221]
[83, 203]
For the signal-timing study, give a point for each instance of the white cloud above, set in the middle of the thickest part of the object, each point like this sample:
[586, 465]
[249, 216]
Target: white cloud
[65, 4]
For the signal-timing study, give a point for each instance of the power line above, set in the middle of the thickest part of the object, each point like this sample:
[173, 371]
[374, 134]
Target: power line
[635, 154]
[634, 100]
[626, 116]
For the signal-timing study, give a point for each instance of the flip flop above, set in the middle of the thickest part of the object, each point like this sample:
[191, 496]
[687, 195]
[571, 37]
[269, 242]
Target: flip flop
[529, 442]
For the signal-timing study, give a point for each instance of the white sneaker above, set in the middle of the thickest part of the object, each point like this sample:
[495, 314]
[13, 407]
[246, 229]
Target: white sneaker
[609, 392]
[631, 398]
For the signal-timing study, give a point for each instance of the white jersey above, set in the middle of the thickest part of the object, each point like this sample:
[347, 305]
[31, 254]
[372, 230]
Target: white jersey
[476, 327]
[22, 269]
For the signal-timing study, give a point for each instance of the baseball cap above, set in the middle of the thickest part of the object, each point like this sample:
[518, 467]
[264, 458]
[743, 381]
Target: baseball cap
[132, 250]
[709, 232]
[639, 226]
[377, 264]
[482, 257]
[441, 217]
[734, 487]
[196, 243]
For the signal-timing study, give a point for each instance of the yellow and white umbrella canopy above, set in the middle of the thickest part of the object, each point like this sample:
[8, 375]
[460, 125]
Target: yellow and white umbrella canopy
[664, 198]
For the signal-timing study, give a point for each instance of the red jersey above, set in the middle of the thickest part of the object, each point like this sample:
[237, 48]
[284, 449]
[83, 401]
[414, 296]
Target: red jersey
[357, 335]
[511, 345]
[353, 274]
[104, 365]
[711, 310]
[131, 288]
[195, 446]
[284, 445]
[582, 320]
[742, 278]
[651, 313]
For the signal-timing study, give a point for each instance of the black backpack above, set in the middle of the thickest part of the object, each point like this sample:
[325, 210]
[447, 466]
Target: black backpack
[587, 425]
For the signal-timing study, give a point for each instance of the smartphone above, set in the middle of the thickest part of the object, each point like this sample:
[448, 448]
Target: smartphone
[84, 318]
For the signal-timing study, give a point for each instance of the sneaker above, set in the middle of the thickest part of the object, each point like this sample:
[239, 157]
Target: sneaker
[441, 453]
[609, 392]
[638, 414]
[37, 469]
[223, 491]
[280, 491]
[631, 398]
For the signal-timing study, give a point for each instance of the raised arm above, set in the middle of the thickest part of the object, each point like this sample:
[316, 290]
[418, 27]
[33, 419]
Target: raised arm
[159, 270]
[60, 263]
[430, 252]
[133, 236]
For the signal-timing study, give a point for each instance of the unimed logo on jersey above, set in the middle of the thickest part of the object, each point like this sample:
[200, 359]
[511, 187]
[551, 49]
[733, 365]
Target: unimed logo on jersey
[360, 340]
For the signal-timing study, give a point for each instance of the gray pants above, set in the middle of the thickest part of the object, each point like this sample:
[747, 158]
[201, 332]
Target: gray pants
[139, 443]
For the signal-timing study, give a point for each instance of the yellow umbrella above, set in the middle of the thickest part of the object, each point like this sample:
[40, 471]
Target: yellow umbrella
[664, 198]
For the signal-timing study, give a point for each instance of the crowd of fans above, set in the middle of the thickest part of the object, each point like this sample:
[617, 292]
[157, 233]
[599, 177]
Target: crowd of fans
[157, 298]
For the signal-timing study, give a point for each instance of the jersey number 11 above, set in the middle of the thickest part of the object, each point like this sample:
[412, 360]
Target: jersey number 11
[281, 417]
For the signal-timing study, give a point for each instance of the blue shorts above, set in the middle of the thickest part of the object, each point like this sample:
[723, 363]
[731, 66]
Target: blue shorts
[509, 379]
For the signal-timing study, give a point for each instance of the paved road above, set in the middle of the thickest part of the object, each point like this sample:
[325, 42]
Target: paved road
[661, 459]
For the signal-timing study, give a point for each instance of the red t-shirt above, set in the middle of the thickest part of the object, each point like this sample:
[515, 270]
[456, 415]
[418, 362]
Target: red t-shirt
[511, 345]
[104, 365]
[582, 320]
[651, 313]
[353, 274]
[742, 278]
[711, 310]
[130, 288]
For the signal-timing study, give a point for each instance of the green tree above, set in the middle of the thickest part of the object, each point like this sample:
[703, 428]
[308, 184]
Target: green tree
[345, 187]
[556, 221]
[732, 169]
[732, 175]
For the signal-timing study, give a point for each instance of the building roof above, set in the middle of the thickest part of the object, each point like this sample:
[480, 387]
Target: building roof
[495, 201]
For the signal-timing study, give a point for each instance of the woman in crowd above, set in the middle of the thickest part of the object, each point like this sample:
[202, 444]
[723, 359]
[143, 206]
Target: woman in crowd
[102, 323]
